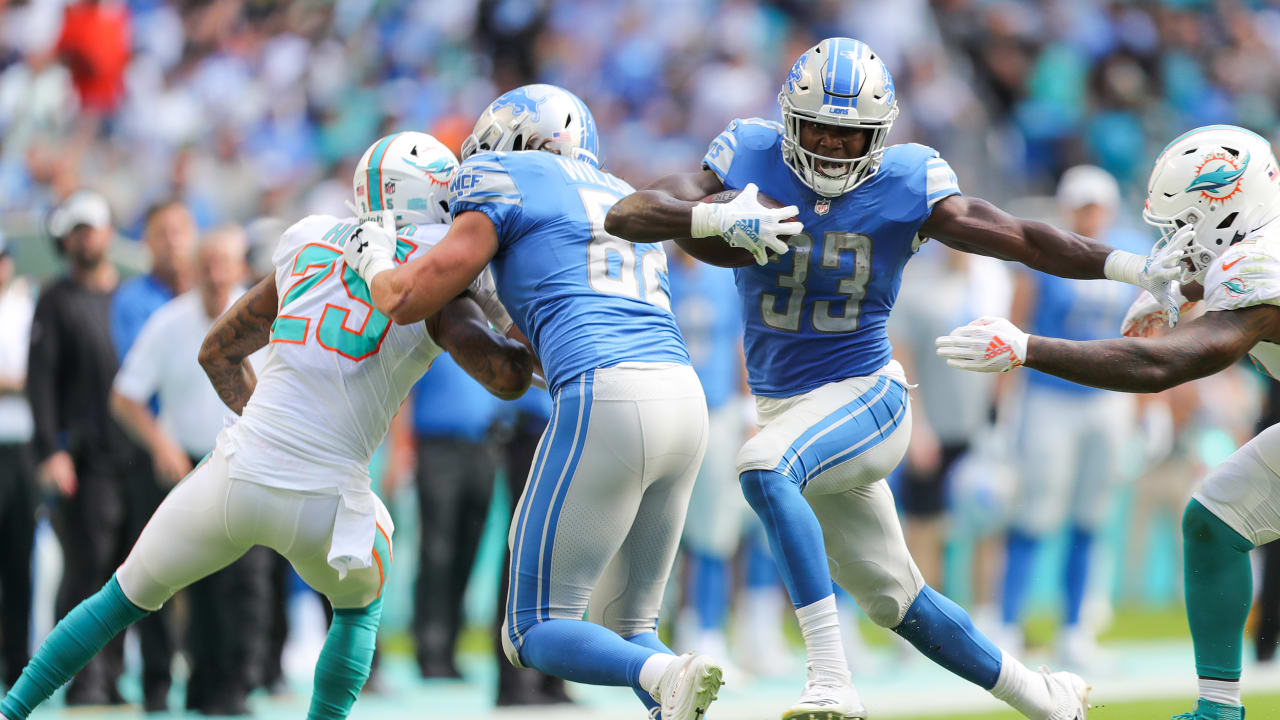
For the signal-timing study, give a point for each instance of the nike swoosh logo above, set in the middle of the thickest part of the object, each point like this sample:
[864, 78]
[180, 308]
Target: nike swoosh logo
[1227, 266]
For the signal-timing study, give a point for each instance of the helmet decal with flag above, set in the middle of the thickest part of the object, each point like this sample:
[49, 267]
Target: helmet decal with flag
[839, 81]
[536, 117]
[407, 173]
[1221, 180]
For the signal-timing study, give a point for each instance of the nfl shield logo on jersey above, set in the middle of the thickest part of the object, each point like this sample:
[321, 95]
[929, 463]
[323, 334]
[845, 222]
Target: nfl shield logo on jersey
[822, 206]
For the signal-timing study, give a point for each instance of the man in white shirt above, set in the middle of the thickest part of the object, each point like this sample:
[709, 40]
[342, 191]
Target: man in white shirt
[17, 469]
[163, 362]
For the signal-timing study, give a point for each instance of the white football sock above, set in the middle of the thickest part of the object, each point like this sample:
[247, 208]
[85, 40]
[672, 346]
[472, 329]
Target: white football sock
[652, 670]
[820, 626]
[1226, 692]
[1023, 689]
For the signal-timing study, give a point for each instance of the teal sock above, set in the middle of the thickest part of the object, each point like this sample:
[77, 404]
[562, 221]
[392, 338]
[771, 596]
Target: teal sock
[74, 641]
[344, 662]
[1219, 587]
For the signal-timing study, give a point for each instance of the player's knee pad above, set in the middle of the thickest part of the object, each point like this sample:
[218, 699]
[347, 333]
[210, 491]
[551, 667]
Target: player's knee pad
[882, 595]
[1201, 527]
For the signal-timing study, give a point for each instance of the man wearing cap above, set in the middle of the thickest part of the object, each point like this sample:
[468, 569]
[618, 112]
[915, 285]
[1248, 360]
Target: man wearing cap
[17, 471]
[76, 443]
[1070, 437]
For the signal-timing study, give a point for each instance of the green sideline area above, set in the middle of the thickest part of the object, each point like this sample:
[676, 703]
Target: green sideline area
[1259, 706]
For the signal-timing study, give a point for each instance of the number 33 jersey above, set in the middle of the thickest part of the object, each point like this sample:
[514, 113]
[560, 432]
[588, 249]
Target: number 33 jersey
[817, 314]
[584, 298]
[336, 368]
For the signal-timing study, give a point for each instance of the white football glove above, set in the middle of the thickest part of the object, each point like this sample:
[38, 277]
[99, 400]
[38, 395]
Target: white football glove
[1147, 314]
[1156, 273]
[744, 223]
[371, 249]
[988, 344]
[485, 293]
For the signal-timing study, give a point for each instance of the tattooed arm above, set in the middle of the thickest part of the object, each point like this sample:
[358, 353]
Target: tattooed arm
[503, 365]
[1199, 348]
[233, 338]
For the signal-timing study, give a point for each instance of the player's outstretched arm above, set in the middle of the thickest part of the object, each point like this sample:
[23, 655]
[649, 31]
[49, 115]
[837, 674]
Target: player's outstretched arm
[420, 288]
[1197, 349]
[663, 210]
[503, 365]
[236, 335]
[974, 225]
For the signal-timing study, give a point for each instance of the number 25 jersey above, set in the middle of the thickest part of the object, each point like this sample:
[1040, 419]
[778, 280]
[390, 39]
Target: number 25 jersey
[817, 314]
[584, 298]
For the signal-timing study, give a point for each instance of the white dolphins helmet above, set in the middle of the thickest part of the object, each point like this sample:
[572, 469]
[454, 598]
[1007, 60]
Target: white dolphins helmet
[839, 81]
[536, 117]
[1223, 180]
[407, 173]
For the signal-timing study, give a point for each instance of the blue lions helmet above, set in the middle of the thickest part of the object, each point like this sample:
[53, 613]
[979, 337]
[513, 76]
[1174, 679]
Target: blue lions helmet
[536, 117]
[839, 81]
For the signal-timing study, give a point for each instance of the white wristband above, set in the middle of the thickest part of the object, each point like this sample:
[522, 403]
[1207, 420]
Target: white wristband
[1125, 267]
[702, 221]
[375, 266]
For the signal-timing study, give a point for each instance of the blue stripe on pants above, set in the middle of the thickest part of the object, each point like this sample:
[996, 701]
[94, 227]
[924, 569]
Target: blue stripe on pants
[529, 596]
[852, 429]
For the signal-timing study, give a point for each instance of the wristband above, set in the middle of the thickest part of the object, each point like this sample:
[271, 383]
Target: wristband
[703, 221]
[1125, 267]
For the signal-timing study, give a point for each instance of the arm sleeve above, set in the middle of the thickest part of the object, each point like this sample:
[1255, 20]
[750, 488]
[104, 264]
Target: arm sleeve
[139, 375]
[939, 181]
[484, 184]
[721, 152]
[1242, 277]
[42, 376]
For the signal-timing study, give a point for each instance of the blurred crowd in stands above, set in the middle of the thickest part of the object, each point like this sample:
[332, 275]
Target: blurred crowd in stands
[192, 117]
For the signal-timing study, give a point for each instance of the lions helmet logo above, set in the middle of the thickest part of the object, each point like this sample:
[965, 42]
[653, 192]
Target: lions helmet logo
[1218, 177]
[520, 103]
[795, 76]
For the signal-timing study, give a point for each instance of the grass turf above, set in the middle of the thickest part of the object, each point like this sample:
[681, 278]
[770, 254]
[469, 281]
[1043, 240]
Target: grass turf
[1259, 706]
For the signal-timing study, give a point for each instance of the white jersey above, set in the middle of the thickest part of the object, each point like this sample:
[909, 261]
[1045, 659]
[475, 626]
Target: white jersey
[336, 370]
[1248, 274]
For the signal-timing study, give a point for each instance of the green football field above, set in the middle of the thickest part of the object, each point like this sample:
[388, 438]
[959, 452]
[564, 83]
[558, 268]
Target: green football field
[1259, 706]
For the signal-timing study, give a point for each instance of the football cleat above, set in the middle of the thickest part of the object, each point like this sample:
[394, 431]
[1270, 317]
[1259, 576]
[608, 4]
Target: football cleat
[827, 700]
[687, 687]
[1209, 710]
[1070, 695]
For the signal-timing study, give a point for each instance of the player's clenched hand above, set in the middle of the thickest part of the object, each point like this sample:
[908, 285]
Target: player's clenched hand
[58, 472]
[988, 344]
[372, 247]
[744, 223]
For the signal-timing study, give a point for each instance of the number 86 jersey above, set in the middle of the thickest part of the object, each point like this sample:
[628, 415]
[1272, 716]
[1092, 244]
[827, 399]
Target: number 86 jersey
[817, 314]
[584, 298]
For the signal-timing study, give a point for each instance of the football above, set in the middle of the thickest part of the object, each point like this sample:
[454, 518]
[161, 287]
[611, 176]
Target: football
[714, 250]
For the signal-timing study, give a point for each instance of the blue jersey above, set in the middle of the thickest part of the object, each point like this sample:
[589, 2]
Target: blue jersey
[584, 298]
[1080, 310]
[817, 314]
[703, 297]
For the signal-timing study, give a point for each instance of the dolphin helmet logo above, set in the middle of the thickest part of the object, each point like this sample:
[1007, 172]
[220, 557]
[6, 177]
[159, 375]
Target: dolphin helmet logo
[520, 102]
[1218, 177]
[437, 171]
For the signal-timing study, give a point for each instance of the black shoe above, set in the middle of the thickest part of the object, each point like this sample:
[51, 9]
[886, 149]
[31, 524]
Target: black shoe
[84, 693]
[554, 692]
[224, 708]
[156, 700]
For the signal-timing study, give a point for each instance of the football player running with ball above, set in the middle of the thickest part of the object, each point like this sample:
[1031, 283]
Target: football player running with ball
[1215, 195]
[599, 521]
[833, 406]
[293, 472]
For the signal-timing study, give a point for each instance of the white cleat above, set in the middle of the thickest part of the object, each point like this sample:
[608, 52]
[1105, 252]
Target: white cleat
[1070, 694]
[687, 687]
[822, 700]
